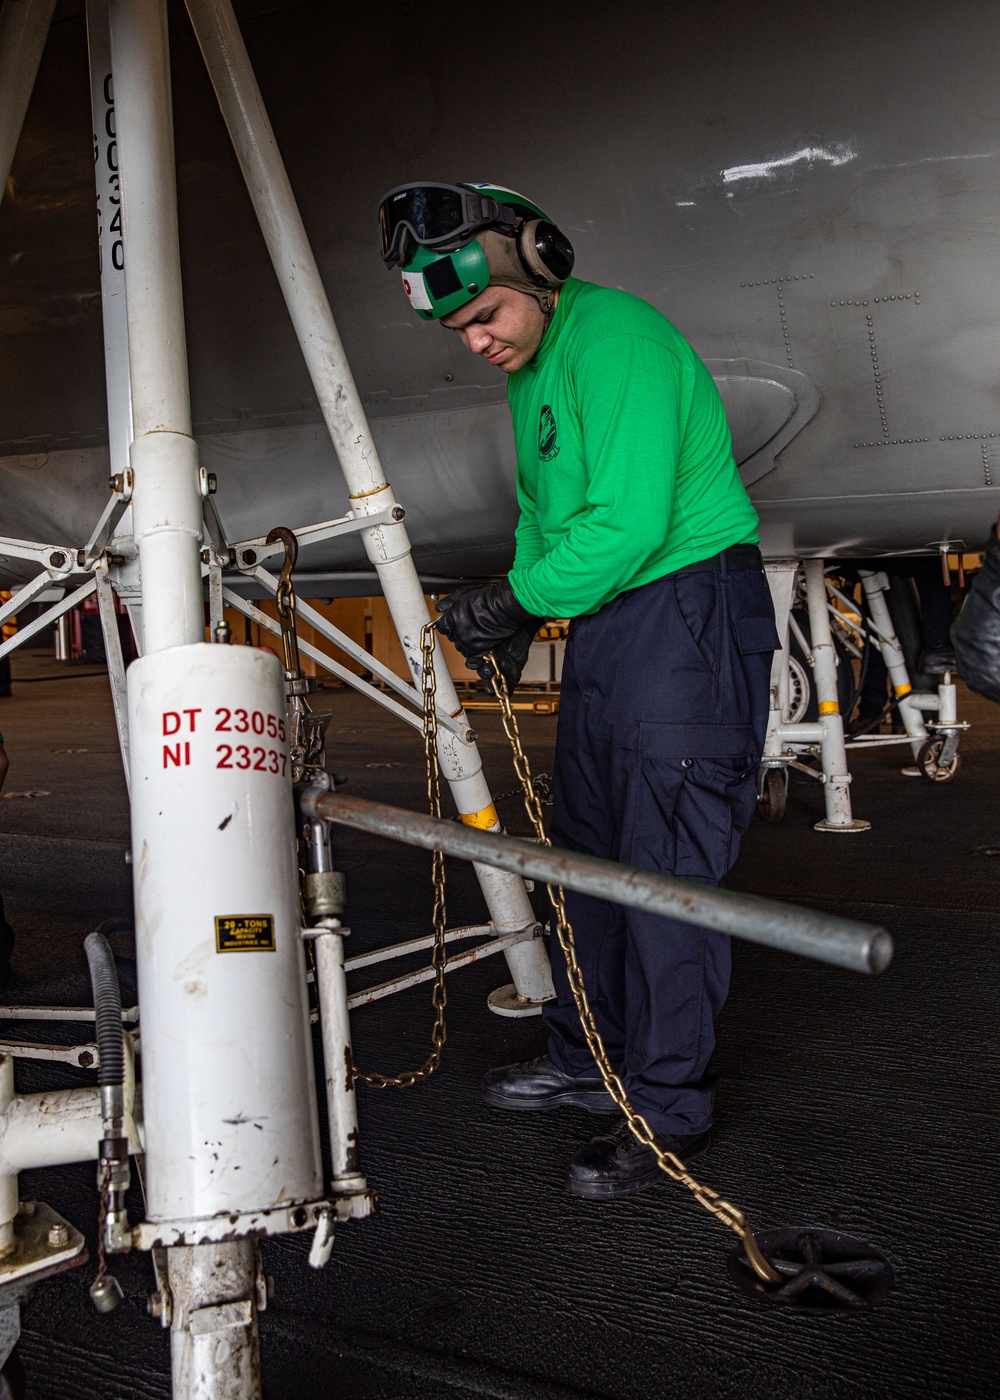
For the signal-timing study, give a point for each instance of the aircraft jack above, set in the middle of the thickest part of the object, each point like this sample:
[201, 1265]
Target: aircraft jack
[791, 740]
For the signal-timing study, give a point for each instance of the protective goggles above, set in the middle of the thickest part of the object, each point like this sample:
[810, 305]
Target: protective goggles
[435, 216]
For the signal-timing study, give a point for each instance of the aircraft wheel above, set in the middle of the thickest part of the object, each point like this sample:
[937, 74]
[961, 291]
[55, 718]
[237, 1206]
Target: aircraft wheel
[773, 794]
[927, 762]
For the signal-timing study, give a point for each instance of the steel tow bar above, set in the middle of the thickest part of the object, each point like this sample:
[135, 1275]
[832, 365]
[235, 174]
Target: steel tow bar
[788, 927]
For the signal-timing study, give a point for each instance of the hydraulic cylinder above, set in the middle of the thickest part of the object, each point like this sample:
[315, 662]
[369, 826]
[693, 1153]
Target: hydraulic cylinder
[228, 1081]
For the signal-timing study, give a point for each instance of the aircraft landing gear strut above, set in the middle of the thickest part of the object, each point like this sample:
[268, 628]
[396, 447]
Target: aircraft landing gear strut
[793, 740]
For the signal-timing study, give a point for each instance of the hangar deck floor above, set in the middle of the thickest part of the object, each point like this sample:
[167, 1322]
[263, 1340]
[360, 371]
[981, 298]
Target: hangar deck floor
[868, 1105]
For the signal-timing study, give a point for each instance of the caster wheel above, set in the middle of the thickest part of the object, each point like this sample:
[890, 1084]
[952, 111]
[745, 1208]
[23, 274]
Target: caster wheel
[927, 762]
[773, 795]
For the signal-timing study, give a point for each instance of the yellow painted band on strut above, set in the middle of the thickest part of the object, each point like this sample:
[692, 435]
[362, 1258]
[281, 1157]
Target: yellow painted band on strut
[903, 689]
[484, 819]
[829, 707]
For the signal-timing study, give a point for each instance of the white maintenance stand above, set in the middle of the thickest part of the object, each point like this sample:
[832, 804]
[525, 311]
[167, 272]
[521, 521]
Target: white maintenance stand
[792, 742]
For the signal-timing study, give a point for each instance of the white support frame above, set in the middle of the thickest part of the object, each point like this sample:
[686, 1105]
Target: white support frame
[788, 743]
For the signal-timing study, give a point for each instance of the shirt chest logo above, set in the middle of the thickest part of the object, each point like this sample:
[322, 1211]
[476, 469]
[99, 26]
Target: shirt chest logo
[548, 447]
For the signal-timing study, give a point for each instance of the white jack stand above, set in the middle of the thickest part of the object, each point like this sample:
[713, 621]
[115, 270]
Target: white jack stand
[788, 737]
[934, 742]
[791, 740]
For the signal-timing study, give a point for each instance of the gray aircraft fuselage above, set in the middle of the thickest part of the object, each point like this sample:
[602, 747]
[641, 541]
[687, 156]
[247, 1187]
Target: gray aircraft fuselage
[811, 194]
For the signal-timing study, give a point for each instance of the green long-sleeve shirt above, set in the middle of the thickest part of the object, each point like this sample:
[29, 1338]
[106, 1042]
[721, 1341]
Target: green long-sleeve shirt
[625, 467]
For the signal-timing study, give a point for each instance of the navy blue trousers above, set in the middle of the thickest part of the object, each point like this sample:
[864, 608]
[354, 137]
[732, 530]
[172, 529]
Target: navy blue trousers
[663, 711]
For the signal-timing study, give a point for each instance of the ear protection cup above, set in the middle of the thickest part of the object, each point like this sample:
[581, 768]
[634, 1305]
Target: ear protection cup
[545, 252]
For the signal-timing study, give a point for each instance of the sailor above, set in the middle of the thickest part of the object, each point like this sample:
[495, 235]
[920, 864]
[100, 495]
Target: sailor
[633, 523]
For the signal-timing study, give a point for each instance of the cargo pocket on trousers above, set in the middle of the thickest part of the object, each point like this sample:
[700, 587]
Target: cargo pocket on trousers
[755, 634]
[712, 813]
[688, 817]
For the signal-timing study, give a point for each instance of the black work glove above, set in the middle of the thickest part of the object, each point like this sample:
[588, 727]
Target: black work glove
[479, 615]
[511, 655]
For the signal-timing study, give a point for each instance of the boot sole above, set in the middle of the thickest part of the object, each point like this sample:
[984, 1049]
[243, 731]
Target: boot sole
[615, 1191]
[597, 1103]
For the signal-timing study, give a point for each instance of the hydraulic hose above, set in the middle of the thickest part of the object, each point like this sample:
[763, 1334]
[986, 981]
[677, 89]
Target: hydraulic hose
[108, 1009]
[113, 1150]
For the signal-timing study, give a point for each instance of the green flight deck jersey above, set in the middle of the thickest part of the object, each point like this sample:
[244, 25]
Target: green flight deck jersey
[625, 468]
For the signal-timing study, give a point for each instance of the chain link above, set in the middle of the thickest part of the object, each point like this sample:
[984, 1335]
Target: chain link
[439, 996]
[722, 1209]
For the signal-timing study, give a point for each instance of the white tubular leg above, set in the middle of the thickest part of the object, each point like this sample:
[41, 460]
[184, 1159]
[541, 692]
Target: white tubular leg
[875, 585]
[836, 787]
[781, 581]
[341, 1100]
[214, 1351]
[387, 545]
[166, 506]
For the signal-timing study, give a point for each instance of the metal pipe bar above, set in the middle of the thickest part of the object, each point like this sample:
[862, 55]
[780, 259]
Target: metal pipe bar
[64, 605]
[130, 1014]
[25, 595]
[104, 529]
[58, 558]
[427, 974]
[816, 773]
[414, 945]
[24, 27]
[311, 534]
[873, 741]
[84, 1056]
[843, 626]
[114, 658]
[826, 937]
[335, 1028]
[869, 623]
[875, 585]
[800, 638]
[837, 788]
[111, 238]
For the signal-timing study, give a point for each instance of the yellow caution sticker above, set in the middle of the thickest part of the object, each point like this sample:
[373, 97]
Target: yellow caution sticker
[903, 689]
[486, 819]
[244, 933]
[829, 707]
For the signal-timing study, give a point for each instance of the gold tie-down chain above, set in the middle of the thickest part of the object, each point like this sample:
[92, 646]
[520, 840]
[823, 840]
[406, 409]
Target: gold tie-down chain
[439, 996]
[722, 1209]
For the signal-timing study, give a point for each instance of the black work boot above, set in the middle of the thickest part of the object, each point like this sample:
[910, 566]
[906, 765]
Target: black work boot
[537, 1084]
[616, 1163]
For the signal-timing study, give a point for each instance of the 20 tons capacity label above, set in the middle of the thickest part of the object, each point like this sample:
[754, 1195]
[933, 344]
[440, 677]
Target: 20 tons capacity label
[180, 750]
[244, 933]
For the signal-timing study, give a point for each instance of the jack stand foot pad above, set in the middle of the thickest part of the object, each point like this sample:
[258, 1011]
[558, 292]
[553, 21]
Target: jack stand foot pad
[506, 1001]
[849, 827]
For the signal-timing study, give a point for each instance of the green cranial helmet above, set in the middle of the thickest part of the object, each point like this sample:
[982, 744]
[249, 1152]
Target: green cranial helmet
[453, 241]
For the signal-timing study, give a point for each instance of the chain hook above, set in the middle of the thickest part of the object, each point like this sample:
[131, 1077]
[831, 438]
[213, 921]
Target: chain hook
[285, 597]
